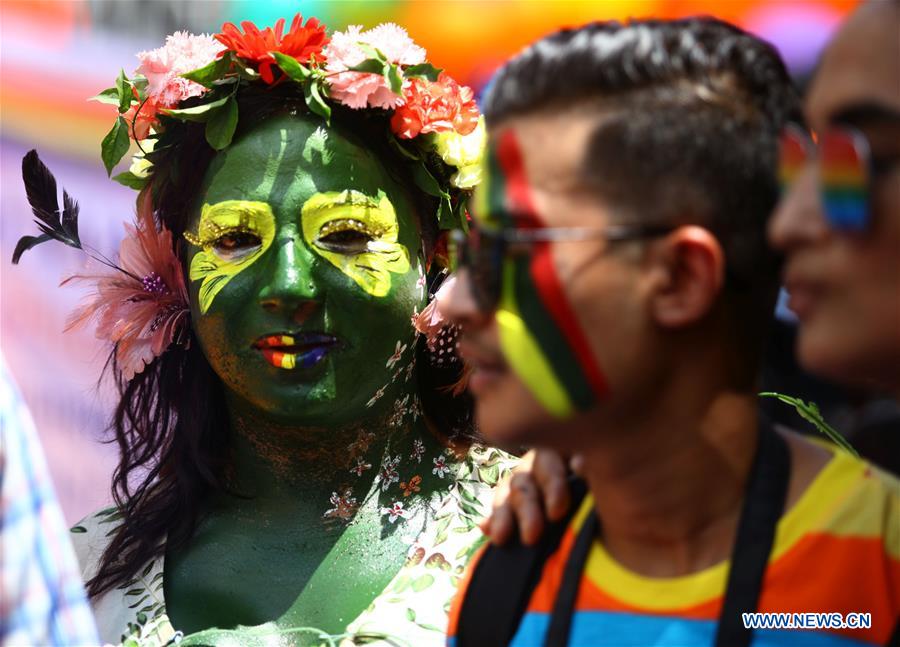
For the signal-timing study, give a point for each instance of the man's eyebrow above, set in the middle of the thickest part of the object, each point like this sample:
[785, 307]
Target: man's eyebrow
[866, 114]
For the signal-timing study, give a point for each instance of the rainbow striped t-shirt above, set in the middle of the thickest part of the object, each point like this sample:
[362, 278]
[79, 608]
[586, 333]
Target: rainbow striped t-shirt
[836, 550]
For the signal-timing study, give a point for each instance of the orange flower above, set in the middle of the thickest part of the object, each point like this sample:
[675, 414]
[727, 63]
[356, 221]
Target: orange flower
[412, 486]
[435, 106]
[301, 42]
[141, 117]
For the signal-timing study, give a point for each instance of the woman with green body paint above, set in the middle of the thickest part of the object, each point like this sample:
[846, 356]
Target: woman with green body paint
[296, 471]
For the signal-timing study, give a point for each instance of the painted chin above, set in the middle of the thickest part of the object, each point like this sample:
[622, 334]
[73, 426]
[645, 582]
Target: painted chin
[295, 352]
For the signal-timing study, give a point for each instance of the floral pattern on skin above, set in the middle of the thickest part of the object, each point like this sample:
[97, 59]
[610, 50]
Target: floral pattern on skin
[395, 360]
[388, 474]
[360, 467]
[418, 450]
[441, 468]
[437, 558]
[415, 602]
[395, 512]
[375, 398]
[344, 505]
[415, 409]
[361, 445]
[398, 353]
[401, 409]
[412, 487]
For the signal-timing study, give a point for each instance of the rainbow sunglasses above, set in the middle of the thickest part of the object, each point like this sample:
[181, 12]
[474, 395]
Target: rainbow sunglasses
[846, 171]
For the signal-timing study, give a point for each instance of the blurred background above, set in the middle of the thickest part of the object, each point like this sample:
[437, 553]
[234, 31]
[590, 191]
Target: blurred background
[54, 55]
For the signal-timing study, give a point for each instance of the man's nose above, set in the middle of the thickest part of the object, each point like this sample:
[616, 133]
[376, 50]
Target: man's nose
[457, 304]
[290, 287]
[798, 218]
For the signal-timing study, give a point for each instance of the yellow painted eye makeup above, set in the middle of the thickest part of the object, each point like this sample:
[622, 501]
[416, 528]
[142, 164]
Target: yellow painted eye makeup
[357, 234]
[231, 235]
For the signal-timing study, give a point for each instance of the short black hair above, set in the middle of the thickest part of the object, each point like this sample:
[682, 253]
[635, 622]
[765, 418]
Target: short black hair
[689, 114]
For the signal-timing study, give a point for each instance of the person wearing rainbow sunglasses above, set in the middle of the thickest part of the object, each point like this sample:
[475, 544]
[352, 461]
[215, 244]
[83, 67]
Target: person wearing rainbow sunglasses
[839, 223]
[613, 299]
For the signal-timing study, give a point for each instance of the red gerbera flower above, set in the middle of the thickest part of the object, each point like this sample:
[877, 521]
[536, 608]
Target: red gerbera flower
[301, 42]
[432, 107]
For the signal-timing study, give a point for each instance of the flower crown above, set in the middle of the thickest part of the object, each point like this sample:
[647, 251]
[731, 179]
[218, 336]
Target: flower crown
[434, 122]
[141, 305]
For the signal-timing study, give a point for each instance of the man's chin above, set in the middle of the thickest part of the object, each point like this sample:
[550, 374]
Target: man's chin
[511, 418]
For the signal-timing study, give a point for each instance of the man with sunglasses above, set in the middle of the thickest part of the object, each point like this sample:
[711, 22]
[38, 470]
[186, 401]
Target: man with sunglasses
[613, 298]
[839, 224]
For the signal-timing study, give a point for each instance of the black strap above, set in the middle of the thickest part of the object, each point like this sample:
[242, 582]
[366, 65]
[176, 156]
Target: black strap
[762, 508]
[894, 640]
[564, 605]
[503, 581]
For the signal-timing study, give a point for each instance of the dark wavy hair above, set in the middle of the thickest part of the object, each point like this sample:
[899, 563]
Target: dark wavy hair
[688, 115]
[169, 420]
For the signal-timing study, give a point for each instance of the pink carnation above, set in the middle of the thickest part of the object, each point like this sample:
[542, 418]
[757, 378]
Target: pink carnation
[183, 52]
[393, 41]
[362, 89]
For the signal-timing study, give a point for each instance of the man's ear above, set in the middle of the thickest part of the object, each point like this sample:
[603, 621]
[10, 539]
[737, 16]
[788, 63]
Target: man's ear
[691, 272]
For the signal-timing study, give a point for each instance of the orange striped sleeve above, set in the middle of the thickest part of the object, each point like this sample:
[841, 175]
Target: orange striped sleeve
[824, 573]
[456, 606]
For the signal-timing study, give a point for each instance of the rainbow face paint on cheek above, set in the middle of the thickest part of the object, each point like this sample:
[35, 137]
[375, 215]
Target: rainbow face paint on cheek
[231, 236]
[539, 331]
[304, 350]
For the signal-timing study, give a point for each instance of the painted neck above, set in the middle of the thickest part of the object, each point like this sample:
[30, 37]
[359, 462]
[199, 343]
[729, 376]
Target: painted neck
[272, 458]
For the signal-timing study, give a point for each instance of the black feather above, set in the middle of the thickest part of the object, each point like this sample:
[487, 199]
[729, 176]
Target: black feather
[27, 242]
[40, 188]
[48, 231]
[70, 217]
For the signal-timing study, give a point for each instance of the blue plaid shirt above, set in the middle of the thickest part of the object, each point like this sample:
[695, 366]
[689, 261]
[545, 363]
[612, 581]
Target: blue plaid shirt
[42, 600]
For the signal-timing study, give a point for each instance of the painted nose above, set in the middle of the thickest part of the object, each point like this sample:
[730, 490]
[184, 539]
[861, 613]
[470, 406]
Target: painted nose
[291, 288]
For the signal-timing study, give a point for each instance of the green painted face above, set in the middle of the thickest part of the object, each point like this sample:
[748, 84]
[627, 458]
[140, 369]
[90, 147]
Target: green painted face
[304, 272]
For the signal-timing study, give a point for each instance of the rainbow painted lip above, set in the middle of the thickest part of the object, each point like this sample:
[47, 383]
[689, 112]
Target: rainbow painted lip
[292, 351]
